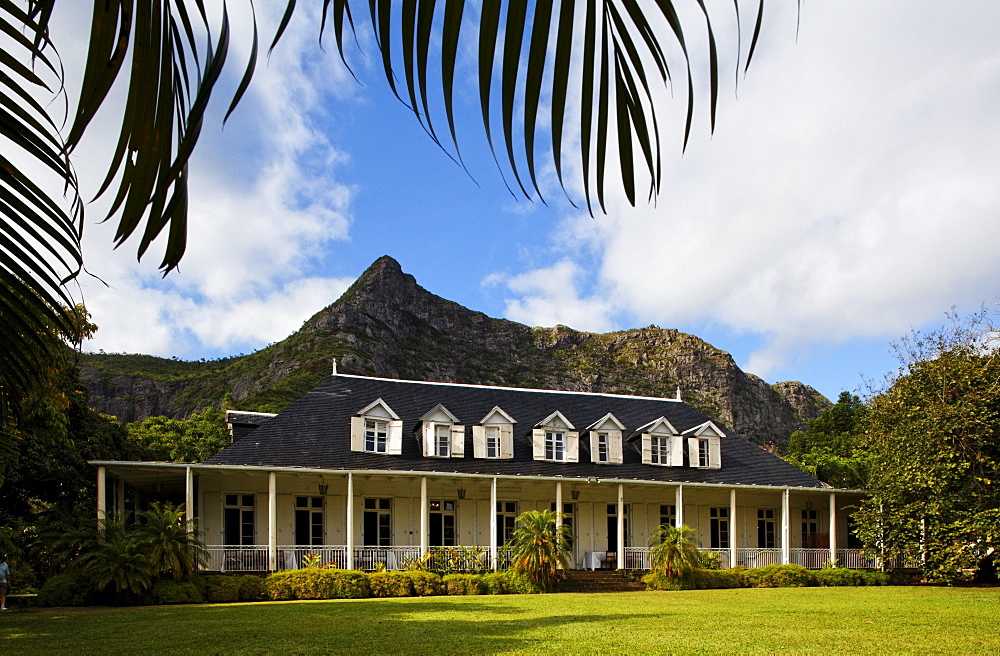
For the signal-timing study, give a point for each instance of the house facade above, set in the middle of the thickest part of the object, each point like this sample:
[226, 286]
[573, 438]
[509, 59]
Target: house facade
[365, 471]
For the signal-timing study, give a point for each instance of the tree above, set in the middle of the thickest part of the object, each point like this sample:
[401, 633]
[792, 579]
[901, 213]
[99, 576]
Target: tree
[173, 550]
[673, 552]
[832, 448]
[935, 455]
[540, 546]
[194, 439]
[607, 58]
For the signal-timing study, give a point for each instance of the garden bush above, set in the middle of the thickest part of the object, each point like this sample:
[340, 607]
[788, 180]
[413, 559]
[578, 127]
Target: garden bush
[222, 589]
[68, 589]
[252, 588]
[425, 584]
[512, 582]
[465, 584]
[839, 576]
[779, 576]
[313, 583]
[719, 579]
[391, 584]
[168, 591]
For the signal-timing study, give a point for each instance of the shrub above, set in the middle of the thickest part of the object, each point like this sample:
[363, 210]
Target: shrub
[780, 576]
[391, 584]
[465, 584]
[719, 579]
[252, 588]
[317, 584]
[167, 591]
[425, 584]
[659, 581]
[840, 576]
[515, 582]
[222, 589]
[68, 589]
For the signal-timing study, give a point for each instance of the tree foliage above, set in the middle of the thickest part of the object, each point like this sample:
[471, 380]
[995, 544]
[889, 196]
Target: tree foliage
[540, 546]
[538, 65]
[194, 439]
[832, 448]
[935, 452]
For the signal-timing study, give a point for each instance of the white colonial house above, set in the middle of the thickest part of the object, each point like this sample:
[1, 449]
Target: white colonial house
[367, 470]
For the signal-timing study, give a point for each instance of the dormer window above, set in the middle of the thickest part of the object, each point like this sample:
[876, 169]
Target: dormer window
[661, 444]
[605, 441]
[554, 439]
[494, 436]
[377, 429]
[441, 434]
[705, 446]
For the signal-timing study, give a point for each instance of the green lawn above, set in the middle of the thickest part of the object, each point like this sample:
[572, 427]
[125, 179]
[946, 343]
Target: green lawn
[810, 620]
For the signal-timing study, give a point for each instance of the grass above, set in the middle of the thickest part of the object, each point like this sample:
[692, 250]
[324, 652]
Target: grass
[809, 620]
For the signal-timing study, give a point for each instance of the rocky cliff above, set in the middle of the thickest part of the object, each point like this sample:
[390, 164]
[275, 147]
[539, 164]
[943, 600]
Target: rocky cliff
[387, 325]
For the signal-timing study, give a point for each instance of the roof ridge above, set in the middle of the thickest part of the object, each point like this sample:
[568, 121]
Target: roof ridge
[512, 389]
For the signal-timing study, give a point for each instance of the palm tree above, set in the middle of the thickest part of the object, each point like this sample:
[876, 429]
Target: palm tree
[116, 560]
[171, 547]
[540, 546]
[673, 552]
[605, 57]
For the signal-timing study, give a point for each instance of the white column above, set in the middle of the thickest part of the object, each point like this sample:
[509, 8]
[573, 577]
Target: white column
[733, 527]
[425, 518]
[621, 526]
[559, 504]
[350, 521]
[786, 529]
[493, 524]
[272, 521]
[120, 498]
[833, 528]
[679, 501]
[189, 498]
[102, 494]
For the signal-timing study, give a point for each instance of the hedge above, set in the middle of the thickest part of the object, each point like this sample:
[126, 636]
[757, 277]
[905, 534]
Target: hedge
[771, 576]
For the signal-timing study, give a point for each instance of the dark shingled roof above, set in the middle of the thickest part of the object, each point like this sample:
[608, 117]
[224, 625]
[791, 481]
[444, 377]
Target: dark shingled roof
[315, 432]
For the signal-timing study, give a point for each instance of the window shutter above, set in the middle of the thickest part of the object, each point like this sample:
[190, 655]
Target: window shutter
[676, 451]
[715, 453]
[395, 437]
[593, 446]
[647, 449]
[693, 451]
[428, 442]
[615, 447]
[507, 441]
[457, 441]
[357, 433]
[538, 443]
[572, 447]
[479, 441]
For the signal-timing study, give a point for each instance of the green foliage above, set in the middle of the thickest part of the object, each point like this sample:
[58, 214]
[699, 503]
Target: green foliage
[391, 584]
[673, 551]
[164, 536]
[935, 453]
[492, 583]
[779, 576]
[539, 547]
[709, 560]
[166, 591]
[838, 576]
[698, 579]
[222, 588]
[317, 584]
[465, 584]
[252, 588]
[68, 589]
[194, 439]
[425, 584]
[832, 448]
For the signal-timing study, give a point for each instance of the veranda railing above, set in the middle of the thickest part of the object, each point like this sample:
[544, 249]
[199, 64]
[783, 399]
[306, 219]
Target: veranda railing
[255, 558]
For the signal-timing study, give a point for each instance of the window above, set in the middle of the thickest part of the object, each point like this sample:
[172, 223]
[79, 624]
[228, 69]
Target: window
[442, 440]
[442, 523]
[703, 453]
[492, 441]
[766, 529]
[810, 530]
[238, 519]
[555, 445]
[659, 449]
[376, 436]
[602, 447]
[668, 515]
[569, 510]
[308, 521]
[377, 526]
[720, 527]
[506, 520]
[613, 527]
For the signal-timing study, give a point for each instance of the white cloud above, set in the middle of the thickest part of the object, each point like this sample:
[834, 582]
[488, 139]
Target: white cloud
[850, 191]
[552, 295]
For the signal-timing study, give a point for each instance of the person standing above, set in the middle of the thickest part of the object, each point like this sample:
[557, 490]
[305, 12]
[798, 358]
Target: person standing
[4, 582]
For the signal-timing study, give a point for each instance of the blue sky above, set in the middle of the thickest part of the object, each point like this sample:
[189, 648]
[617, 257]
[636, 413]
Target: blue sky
[848, 195]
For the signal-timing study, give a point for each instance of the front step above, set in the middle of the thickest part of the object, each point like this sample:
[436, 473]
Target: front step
[598, 581]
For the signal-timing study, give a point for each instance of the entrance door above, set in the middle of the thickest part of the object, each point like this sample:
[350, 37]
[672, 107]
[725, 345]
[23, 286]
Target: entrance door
[308, 521]
[442, 523]
[613, 527]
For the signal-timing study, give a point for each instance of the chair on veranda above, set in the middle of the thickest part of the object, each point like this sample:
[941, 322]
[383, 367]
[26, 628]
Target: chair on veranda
[610, 560]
